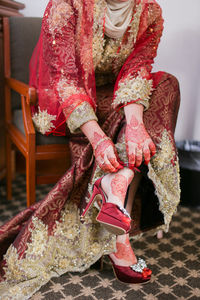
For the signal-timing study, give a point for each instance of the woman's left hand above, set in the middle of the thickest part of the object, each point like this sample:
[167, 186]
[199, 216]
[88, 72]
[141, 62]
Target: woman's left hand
[139, 144]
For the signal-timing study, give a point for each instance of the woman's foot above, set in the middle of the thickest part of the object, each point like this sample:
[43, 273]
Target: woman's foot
[115, 185]
[124, 256]
[125, 265]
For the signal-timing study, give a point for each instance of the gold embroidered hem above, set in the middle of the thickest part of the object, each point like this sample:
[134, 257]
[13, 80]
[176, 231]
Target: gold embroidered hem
[164, 172]
[47, 256]
[80, 115]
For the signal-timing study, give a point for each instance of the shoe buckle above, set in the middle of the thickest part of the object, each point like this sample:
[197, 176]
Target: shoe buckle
[140, 266]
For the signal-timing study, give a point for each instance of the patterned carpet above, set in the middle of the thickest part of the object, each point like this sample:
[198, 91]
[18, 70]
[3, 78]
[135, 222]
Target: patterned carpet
[174, 261]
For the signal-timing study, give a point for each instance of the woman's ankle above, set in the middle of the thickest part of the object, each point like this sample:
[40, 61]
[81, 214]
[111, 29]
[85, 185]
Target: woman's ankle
[106, 186]
[124, 255]
[115, 185]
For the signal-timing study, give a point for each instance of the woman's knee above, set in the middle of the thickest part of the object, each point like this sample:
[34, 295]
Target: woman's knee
[174, 84]
[173, 94]
[160, 77]
[173, 80]
[171, 86]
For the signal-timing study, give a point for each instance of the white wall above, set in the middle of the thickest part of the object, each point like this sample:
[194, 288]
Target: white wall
[178, 54]
[34, 8]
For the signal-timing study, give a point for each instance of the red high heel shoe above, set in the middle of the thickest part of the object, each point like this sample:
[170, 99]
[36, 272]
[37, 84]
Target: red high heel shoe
[115, 218]
[137, 273]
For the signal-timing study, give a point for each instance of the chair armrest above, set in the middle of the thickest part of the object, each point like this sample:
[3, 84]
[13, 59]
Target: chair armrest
[27, 118]
[23, 89]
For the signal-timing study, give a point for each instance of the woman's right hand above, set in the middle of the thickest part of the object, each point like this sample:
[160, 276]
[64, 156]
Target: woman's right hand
[104, 149]
[105, 153]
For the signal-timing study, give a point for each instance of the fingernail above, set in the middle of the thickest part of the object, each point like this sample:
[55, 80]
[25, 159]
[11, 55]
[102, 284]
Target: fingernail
[120, 167]
[131, 166]
[120, 161]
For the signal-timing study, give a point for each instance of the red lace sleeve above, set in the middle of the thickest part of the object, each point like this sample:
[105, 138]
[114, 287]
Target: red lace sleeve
[60, 56]
[56, 69]
[134, 83]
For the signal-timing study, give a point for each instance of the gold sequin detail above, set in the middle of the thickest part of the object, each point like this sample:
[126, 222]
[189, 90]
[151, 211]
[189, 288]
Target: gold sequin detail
[80, 115]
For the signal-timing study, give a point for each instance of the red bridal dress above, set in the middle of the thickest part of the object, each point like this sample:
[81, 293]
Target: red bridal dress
[83, 75]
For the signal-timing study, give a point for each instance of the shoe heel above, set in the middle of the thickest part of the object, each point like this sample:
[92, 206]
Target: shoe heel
[101, 263]
[90, 203]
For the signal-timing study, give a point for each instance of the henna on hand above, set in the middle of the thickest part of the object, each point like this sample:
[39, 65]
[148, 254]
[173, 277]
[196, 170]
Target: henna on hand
[105, 153]
[139, 144]
[104, 149]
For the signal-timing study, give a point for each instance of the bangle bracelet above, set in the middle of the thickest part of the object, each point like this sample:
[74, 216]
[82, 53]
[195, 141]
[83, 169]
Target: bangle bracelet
[101, 140]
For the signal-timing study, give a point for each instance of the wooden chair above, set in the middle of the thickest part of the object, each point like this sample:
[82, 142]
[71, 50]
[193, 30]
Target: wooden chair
[20, 37]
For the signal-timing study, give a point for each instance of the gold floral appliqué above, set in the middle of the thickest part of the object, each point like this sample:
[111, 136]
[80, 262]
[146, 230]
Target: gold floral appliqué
[43, 121]
[134, 88]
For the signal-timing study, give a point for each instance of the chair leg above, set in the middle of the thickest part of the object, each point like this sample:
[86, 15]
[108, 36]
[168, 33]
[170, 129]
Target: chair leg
[13, 163]
[8, 167]
[30, 180]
